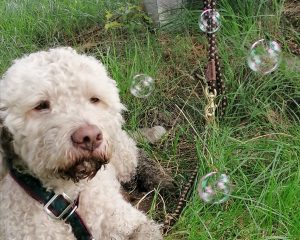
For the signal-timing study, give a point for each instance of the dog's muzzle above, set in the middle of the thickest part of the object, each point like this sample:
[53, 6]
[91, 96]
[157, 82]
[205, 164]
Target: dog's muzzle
[83, 168]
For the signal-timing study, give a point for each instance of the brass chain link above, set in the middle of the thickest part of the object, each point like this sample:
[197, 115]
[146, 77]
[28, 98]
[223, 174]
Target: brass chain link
[210, 108]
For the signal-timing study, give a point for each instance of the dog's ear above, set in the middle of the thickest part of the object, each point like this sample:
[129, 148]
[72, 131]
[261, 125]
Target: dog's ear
[3, 137]
[3, 164]
[3, 112]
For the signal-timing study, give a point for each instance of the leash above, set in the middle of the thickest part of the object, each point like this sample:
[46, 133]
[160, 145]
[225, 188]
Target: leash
[215, 88]
[214, 79]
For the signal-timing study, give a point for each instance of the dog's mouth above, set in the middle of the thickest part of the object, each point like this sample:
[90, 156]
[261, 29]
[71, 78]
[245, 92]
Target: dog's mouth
[83, 168]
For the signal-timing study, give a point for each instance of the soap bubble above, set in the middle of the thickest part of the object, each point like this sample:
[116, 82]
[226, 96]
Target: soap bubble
[142, 85]
[204, 21]
[214, 188]
[264, 56]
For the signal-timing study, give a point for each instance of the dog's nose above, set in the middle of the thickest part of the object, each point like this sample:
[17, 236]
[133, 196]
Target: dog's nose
[87, 137]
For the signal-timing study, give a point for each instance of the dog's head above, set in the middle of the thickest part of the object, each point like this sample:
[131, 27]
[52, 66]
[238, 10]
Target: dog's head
[63, 111]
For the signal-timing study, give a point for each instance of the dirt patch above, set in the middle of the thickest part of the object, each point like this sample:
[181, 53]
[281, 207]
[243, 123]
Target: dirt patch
[151, 185]
[292, 12]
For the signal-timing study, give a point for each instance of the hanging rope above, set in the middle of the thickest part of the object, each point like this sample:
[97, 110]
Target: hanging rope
[214, 79]
[215, 89]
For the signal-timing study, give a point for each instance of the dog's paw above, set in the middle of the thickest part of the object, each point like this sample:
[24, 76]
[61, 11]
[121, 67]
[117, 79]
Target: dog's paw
[147, 231]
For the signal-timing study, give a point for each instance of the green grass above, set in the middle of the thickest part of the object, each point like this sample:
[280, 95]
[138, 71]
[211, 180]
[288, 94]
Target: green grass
[257, 143]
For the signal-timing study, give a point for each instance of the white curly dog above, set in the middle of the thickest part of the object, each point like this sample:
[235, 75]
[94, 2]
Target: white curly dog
[63, 113]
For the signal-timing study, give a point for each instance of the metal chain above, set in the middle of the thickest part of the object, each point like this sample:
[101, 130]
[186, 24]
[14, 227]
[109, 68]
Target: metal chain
[215, 87]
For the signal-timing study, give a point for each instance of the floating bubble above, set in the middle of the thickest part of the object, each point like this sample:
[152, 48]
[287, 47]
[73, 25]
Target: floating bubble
[214, 188]
[205, 18]
[264, 56]
[142, 85]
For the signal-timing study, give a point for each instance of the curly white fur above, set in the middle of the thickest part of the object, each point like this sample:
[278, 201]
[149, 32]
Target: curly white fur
[42, 140]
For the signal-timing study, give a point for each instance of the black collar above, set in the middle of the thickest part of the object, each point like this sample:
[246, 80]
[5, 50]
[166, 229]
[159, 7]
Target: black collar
[57, 206]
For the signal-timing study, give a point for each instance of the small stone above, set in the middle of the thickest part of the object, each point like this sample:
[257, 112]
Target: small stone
[153, 134]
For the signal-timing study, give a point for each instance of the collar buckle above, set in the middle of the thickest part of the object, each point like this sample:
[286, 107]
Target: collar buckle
[70, 207]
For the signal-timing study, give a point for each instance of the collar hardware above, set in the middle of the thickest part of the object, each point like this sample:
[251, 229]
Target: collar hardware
[70, 207]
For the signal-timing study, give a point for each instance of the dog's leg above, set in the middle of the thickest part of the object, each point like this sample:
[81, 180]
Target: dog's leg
[124, 157]
[110, 216]
[138, 226]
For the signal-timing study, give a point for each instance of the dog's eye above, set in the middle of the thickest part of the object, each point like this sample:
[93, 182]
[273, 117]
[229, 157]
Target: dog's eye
[43, 105]
[94, 100]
